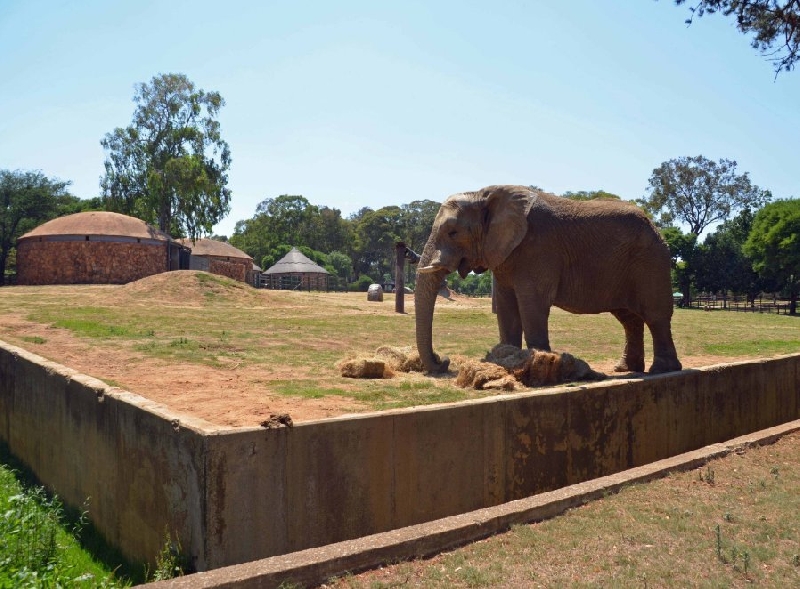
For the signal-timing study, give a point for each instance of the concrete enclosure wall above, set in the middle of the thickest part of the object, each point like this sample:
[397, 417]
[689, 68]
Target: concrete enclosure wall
[235, 495]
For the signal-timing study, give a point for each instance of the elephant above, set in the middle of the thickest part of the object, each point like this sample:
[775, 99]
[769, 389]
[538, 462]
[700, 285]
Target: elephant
[582, 256]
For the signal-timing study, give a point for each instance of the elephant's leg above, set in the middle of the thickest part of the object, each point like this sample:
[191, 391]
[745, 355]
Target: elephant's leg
[633, 356]
[665, 358]
[508, 320]
[535, 313]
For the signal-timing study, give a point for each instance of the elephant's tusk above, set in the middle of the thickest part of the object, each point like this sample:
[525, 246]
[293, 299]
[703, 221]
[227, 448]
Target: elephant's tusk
[428, 269]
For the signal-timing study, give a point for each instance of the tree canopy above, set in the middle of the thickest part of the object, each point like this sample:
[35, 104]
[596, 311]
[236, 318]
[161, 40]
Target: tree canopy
[774, 245]
[698, 192]
[27, 199]
[169, 167]
[721, 264]
[366, 239]
[591, 195]
[775, 25]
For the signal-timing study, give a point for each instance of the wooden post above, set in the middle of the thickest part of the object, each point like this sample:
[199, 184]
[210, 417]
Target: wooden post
[399, 277]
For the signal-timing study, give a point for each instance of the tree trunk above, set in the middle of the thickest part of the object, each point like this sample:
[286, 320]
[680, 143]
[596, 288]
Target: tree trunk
[3, 259]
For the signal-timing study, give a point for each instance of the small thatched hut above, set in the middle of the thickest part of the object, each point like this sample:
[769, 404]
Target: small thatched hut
[294, 271]
[219, 257]
[96, 247]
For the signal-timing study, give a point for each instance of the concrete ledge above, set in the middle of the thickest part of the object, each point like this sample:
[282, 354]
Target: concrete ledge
[315, 566]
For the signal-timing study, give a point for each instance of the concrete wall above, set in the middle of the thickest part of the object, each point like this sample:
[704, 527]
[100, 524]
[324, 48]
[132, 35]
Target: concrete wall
[242, 494]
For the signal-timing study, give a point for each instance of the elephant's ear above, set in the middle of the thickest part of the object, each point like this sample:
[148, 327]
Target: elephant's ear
[507, 209]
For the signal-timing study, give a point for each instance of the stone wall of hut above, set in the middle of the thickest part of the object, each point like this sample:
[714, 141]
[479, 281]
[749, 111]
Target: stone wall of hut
[238, 269]
[88, 262]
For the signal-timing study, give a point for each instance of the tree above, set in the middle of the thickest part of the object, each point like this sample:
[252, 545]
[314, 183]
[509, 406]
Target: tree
[720, 262]
[169, 167]
[417, 220]
[375, 237]
[682, 248]
[699, 192]
[774, 246]
[775, 26]
[27, 199]
[591, 195]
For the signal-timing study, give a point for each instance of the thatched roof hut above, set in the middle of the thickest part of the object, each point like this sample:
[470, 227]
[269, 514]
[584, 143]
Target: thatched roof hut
[96, 247]
[219, 257]
[295, 271]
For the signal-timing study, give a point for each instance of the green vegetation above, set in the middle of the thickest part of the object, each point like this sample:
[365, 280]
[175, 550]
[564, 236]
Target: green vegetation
[46, 544]
[169, 167]
[41, 544]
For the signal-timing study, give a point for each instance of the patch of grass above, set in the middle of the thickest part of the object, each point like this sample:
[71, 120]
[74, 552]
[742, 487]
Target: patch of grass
[307, 389]
[35, 339]
[43, 545]
[753, 347]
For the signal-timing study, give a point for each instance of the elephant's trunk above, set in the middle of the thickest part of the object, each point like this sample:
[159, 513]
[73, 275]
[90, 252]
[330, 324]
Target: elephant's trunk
[427, 288]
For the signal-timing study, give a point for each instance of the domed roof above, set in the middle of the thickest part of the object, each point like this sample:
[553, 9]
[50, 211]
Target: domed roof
[98, 223]
[212, 247]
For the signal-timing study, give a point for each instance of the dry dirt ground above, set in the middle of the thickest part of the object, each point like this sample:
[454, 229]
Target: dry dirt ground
[199, 390]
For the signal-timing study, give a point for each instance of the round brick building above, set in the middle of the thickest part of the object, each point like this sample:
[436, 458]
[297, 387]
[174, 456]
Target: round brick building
[96, 247]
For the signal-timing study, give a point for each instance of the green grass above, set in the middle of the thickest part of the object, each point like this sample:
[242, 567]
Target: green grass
[46, 544]
[41, 544]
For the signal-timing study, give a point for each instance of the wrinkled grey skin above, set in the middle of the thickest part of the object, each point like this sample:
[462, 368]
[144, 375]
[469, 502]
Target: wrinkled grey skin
[545, 250]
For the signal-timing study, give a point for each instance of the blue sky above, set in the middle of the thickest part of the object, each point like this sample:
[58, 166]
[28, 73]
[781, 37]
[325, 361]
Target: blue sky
[355, 104]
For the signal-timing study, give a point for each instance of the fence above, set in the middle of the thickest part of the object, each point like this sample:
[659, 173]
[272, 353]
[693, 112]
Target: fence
[760, 304]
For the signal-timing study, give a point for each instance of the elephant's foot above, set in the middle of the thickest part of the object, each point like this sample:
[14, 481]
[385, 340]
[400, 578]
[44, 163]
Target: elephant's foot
[628, 365]
[440, 365]
[662, 365]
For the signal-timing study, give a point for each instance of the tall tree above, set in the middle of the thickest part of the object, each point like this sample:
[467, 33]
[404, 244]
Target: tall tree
[169, 167]
[774, 245]
[698, 192]
[27, 199]
[375, 236]
[417, 221]
[775, 25]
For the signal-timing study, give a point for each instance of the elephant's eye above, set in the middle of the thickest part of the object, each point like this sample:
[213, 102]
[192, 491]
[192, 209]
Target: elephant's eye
[452, 234]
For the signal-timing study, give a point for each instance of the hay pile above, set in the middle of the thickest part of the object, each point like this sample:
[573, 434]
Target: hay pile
[383, 364]
[504, 368]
